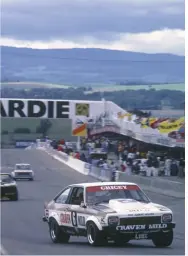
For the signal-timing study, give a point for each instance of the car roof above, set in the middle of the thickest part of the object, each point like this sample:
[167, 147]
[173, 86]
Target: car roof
[93, 184]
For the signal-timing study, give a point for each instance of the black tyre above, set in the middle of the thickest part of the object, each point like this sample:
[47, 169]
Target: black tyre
[56, 234]
[163, 239]
[95, 237]
[31, 179]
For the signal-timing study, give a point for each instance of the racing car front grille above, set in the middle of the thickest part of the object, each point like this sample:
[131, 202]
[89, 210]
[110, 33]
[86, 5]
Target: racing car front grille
[141, 220]
[23, 174]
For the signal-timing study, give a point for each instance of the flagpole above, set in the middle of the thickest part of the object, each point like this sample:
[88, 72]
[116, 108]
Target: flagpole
[78, 143]
[104, 112]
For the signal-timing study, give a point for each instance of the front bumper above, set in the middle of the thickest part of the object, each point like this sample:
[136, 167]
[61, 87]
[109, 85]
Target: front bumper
[8, 191]
[23, 176]
[137, 229]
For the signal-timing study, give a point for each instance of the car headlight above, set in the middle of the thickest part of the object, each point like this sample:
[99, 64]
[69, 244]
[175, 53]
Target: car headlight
[167, 217]
[113, 220]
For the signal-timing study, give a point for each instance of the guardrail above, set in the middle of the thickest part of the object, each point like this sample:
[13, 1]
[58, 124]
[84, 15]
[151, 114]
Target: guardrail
[153, 184]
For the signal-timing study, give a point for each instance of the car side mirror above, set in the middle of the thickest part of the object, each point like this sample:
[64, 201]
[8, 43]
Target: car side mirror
[82, 205]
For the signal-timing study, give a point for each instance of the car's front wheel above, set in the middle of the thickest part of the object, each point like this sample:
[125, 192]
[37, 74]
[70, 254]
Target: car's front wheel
[163, 239]
[56, 234]
[95, 237]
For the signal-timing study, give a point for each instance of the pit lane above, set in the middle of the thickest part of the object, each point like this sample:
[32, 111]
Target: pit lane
[24, 233]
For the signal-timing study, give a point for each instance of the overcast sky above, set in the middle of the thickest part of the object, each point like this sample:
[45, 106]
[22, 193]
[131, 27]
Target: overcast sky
[136, 25]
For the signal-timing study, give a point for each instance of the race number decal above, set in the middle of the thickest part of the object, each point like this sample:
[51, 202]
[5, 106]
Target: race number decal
[74, 218]
[65, 218]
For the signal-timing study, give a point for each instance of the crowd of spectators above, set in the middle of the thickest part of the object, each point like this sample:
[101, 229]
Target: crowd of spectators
[126, 158]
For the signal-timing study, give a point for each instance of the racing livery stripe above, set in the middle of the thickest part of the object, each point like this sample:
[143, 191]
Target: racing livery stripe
[119, 187]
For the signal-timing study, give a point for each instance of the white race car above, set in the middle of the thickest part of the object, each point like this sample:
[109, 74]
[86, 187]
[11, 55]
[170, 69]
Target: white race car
[22, 171]
[103, 211]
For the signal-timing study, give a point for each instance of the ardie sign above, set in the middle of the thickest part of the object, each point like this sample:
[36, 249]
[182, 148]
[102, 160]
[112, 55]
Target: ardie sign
[34, 108]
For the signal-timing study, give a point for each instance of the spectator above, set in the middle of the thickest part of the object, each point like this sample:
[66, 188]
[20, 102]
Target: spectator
[149, 167]
[129, 167]
[181, 172]
[174, 168]
[83, 157]
[77, 155]
[167, 166]
[155, 166]
[100, 162]
[123, 166]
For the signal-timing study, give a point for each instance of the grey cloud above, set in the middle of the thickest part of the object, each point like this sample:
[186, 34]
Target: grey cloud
[73, 19]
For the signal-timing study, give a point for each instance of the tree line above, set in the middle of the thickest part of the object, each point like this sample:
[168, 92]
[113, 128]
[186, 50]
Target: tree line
[127, 99]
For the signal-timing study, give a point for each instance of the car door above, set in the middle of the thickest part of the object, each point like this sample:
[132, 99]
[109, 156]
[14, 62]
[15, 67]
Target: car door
[78, 213]
[62, 207]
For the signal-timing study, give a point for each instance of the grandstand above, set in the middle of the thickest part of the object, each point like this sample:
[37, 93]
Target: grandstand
[171, 113]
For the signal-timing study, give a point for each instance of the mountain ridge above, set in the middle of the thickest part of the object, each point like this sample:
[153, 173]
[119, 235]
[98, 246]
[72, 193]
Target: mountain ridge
[90, 65]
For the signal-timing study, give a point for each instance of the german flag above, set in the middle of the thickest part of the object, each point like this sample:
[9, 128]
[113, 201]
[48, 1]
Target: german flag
[81, 130]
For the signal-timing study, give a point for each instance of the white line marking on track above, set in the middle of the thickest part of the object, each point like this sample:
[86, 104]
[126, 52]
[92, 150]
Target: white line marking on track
[3, 251]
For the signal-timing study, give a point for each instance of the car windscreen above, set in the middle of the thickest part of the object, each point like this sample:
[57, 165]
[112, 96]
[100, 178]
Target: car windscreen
[23, 167]
[5, 178]
[103, 194]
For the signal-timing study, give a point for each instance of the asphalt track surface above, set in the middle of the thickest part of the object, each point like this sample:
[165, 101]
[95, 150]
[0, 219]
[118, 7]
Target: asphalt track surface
[24, 233]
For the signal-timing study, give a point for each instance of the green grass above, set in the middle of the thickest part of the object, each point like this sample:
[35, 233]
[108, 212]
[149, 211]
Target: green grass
[96, 87]
[111, 88]
[30, 85]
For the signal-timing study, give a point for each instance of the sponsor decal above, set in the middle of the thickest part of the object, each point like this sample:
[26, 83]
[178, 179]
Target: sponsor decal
[141, 236]
[141, 214]
[119, 187]
[81, 221]
[141, 227]
[79, 130]
[34, 108]
[23, 144]
[105, 129]
[139, 210]
[113, 187]
[74, 219]
[65, 218]
[81, 109]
